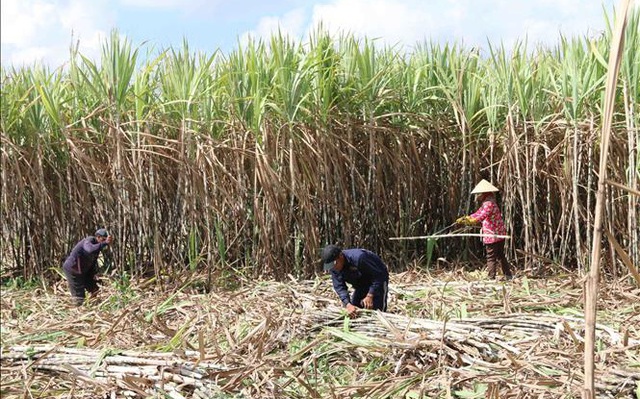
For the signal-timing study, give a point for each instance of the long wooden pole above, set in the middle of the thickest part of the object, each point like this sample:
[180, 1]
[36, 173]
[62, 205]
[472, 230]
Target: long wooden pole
[591, 283]
[450, 235]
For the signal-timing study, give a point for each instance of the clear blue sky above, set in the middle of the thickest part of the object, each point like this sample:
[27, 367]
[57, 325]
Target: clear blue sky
[42, 29]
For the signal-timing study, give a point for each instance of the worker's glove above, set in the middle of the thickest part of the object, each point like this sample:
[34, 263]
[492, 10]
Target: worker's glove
[471, 221]
[466, 221]
[461, 221]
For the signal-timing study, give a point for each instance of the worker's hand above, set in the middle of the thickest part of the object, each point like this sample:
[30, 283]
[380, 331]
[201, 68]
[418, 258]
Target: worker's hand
[108, 239]
[352, 311]
[367, 302]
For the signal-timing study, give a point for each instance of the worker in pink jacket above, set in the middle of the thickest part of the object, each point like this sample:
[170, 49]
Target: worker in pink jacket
[490, 217]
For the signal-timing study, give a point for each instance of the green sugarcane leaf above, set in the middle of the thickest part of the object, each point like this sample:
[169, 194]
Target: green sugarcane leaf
[431, 244]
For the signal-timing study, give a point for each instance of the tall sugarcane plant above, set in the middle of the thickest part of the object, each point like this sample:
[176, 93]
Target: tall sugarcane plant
[256, 158]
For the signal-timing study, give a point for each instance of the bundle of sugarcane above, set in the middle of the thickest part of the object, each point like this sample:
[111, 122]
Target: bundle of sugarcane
[479, 345]
[128, 372]
[389, 324]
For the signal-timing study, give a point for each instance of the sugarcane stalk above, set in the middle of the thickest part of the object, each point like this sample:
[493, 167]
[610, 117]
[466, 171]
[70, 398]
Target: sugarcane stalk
[452, 235]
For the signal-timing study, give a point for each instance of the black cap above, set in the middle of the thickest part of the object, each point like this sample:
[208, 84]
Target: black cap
[102, 233]
[329, 254]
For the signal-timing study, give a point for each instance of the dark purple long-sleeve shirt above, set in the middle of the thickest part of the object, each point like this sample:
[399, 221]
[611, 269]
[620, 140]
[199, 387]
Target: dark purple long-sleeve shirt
[362, 269]
[84, 256]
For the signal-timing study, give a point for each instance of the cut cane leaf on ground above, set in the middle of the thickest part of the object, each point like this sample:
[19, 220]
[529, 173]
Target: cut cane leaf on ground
[439, 325]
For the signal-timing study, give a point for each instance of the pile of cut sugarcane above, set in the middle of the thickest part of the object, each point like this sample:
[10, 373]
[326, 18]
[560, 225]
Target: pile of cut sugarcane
[132, 373]
[450, 335]
[524, 350]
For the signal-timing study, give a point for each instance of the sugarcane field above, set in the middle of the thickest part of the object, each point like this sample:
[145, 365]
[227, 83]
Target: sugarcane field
[326, 219]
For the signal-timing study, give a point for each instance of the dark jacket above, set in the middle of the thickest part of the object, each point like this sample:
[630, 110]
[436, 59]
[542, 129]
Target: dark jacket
[83, 258]
[362, 269]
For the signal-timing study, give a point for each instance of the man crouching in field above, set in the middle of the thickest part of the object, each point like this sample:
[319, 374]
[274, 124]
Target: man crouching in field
[364, 270]
[81, 266]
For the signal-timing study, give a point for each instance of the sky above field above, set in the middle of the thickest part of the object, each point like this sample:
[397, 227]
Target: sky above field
[43, 30]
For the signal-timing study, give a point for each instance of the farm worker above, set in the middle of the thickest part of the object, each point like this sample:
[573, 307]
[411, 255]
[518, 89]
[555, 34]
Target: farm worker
[490, 217]
[364, 270]
[81, 266]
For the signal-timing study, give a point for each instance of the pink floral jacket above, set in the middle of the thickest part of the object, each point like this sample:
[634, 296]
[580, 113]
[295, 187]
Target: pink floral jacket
[491, 217]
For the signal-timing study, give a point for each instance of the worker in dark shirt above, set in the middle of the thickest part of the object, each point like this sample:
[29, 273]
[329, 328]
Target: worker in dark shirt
[81, 266]
[364, 270]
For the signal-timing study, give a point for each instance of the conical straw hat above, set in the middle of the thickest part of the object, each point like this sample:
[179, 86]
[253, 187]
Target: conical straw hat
[484, 187]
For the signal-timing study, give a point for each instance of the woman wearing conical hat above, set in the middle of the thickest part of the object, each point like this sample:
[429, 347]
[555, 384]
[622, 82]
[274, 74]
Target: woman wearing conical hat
[490, 217]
